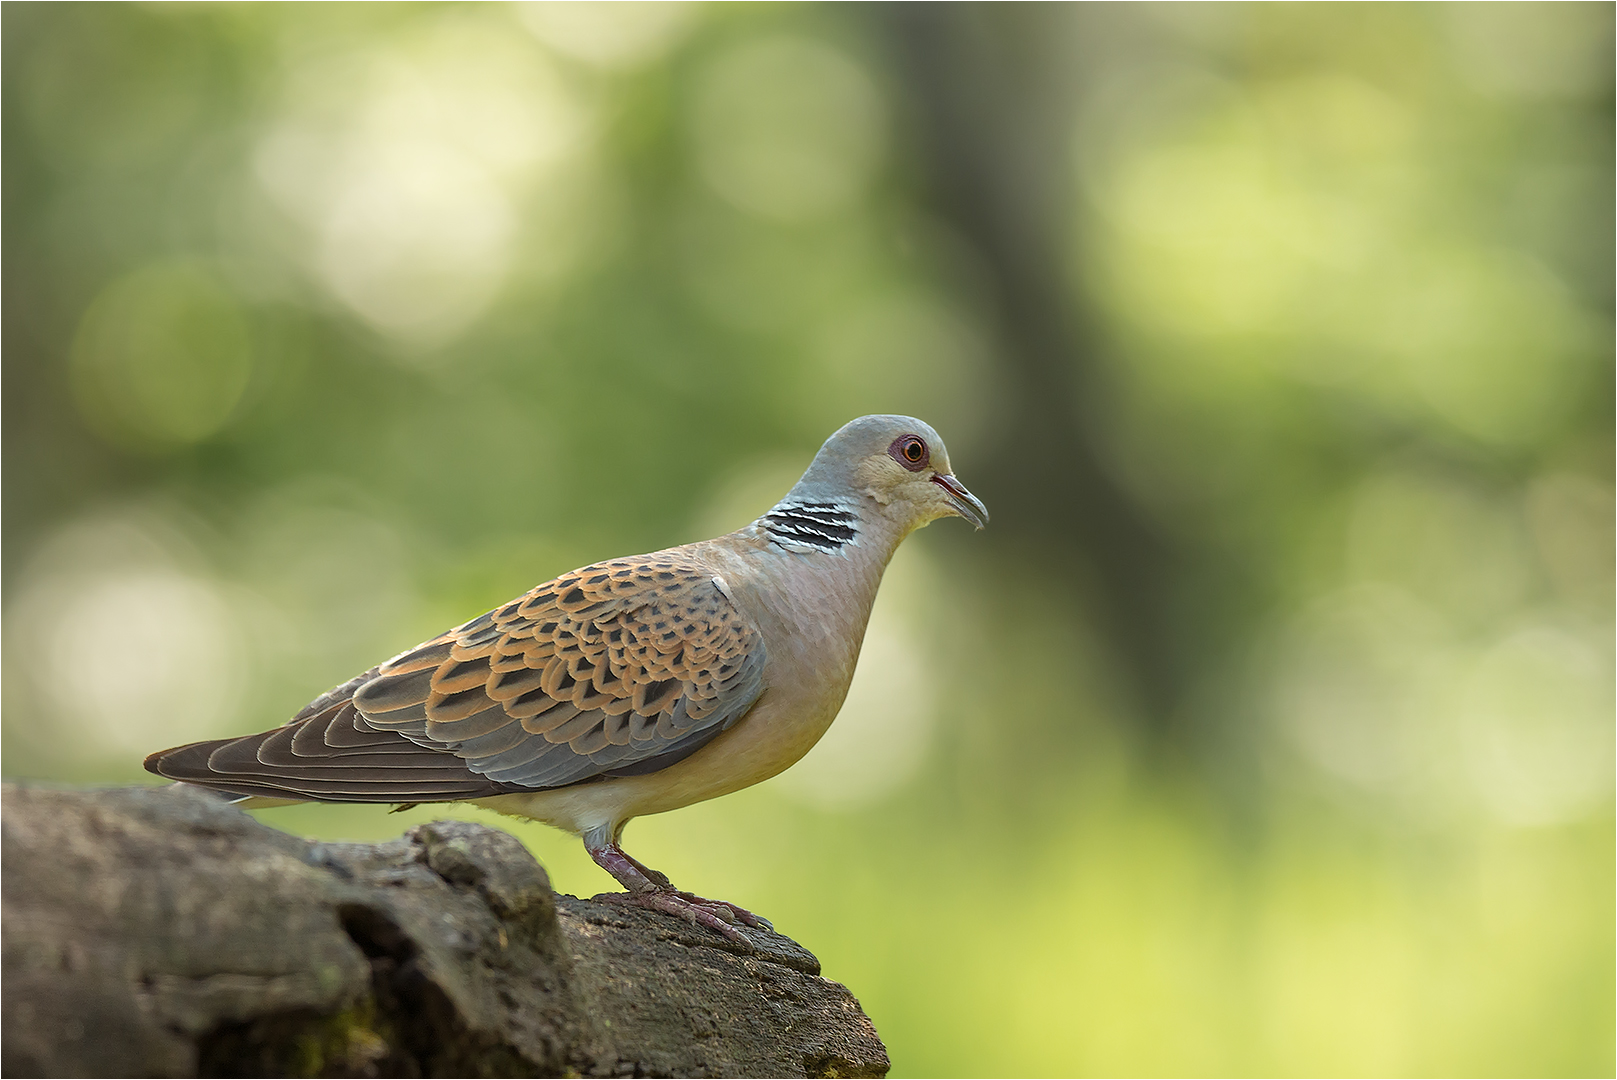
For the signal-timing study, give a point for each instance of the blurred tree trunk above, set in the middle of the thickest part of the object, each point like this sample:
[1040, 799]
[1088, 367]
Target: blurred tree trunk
[992, 91]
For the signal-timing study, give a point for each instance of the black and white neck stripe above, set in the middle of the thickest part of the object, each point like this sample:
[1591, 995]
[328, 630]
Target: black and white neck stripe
[811, 526]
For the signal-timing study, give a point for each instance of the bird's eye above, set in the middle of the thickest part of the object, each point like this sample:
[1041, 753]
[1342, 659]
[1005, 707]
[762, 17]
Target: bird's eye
[910, 451]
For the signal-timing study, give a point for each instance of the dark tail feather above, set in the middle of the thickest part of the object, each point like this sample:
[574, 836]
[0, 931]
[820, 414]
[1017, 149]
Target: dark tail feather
[325, 758]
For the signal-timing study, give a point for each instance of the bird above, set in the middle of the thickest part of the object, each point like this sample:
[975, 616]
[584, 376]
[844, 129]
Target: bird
[628, 687]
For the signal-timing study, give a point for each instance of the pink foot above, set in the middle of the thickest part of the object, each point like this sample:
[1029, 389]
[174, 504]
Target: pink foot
[652, 890]
[728, 911]
[713, 914]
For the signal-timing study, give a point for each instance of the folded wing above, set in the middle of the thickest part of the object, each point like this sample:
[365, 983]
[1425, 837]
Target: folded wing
[617, 669]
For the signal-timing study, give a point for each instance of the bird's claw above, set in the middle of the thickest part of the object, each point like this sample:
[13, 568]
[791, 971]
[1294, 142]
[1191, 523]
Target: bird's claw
[716, 915]
[727, 911]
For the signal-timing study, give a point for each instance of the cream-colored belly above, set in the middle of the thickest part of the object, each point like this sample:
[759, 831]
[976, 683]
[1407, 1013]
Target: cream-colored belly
[781, 728]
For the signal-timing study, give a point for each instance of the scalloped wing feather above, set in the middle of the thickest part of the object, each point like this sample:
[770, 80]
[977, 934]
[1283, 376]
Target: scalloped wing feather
[602, 669]
[617, 669]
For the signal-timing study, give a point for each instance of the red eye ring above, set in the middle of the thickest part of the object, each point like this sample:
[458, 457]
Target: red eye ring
[911, 452]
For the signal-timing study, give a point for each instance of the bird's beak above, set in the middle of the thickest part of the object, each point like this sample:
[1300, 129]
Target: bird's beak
[964, 502]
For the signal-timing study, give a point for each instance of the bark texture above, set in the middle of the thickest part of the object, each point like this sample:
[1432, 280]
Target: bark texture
[160, 932]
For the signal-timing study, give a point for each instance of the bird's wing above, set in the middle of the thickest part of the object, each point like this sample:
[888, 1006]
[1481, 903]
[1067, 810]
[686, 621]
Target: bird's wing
[617, 669]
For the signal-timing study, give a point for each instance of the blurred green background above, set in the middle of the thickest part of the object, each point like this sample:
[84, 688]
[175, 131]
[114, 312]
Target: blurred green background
[1267, 730]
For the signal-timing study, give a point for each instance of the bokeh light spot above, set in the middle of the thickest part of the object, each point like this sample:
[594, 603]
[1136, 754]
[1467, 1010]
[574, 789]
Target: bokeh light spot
[403, 166]
[788, 128]
[1539, 706]
[612, 36]
[161, 357]
[125, 646]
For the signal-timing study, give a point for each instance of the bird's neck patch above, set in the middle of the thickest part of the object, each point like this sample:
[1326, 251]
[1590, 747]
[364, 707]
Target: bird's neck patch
[804, 526]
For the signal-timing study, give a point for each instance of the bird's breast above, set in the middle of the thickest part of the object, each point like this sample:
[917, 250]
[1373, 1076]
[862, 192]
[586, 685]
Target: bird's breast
[812, 615]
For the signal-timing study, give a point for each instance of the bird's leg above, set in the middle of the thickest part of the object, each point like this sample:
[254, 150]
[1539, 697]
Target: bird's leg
[650, 889]
[658, 878]
[631, 873]
[728, 911]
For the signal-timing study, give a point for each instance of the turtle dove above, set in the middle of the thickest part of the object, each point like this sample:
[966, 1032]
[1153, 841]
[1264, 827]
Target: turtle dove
[631, 686]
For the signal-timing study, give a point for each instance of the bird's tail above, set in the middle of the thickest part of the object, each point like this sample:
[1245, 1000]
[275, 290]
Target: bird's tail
[235, 798]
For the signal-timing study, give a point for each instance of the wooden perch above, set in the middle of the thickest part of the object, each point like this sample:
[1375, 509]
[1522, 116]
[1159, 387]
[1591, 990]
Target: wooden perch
[160, 932]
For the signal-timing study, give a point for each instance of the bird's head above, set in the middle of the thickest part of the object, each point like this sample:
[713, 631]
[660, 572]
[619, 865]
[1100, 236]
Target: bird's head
[899, 462]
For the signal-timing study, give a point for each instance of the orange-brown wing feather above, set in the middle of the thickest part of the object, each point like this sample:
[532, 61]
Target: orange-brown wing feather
[615, 669]
[594, 673]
